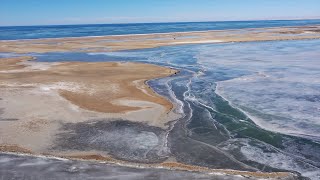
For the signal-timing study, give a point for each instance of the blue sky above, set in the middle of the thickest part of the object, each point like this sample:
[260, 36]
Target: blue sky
[39, 12]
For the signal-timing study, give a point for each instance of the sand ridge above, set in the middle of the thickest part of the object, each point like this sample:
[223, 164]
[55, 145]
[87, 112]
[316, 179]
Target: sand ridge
[96, 156]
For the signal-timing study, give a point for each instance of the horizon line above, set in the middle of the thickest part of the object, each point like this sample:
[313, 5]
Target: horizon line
[160, 22]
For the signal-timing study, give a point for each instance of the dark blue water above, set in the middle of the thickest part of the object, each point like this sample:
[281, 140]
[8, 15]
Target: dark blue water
[59, 31]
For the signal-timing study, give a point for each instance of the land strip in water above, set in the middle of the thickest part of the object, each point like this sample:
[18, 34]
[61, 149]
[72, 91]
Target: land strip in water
[140, 41]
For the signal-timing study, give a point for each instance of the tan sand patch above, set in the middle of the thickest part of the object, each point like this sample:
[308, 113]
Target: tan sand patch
[36, 101]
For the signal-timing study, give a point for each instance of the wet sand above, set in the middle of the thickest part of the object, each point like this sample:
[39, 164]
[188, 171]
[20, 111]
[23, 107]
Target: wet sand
[126, 42]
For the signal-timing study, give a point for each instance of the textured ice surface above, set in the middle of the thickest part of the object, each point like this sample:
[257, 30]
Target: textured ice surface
[276, 83]
[281, 91]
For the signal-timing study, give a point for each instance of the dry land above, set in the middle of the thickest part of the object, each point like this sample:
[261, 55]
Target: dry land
[36, 99]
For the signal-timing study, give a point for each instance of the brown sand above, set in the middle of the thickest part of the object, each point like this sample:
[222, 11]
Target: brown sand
[101, 83]
[37, 97]
[13, 63]
[180, 166]
[14, 148]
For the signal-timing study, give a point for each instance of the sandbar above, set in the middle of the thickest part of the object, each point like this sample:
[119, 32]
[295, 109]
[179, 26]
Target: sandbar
[141, 41]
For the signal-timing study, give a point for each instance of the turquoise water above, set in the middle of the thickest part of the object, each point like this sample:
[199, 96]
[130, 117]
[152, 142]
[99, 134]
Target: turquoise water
[60, 31]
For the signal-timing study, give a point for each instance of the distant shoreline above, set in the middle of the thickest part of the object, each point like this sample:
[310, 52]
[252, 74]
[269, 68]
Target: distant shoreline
[141, 41]
[165, 33]
[164, 22]
[98, 30]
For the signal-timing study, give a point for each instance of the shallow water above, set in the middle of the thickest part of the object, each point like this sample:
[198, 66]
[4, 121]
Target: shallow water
[249, 106]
